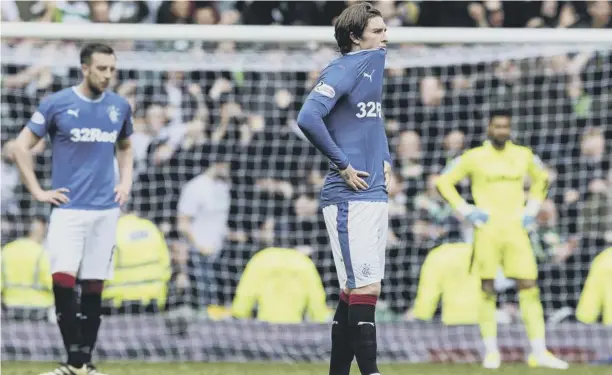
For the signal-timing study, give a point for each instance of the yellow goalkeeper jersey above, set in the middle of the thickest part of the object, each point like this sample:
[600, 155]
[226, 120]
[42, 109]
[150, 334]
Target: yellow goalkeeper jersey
[596, 297]
[284, 285]
[497, 179]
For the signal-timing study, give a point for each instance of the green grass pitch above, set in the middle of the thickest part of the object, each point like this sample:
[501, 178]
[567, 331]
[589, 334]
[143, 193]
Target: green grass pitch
[258, 368]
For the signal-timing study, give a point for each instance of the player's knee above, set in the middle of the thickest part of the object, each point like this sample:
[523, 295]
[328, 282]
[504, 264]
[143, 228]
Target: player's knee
[488, 286]
[64, 279]
[371, 289]
[526, 284]
[92, 286]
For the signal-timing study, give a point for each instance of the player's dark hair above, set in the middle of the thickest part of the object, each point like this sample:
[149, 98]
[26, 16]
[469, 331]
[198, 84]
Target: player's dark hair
[89, 49]
[500, 113]
[353, 20]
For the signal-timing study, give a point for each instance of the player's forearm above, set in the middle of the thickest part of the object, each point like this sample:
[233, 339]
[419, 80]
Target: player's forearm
[387, 152]
[448, 191]
[310, 121]
[537, 194]
[125, 159]
[539, 188]
[317, 309]
[23, 159]
[424, 309]
[429, 293]
[184, 228]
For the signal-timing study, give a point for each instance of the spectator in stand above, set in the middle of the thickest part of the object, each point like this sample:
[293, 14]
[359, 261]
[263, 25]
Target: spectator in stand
[433, 111]
[431, 207]
[205, 13]
[596, 298]
[11, 204]
[552, 248]
[141, 267]
[549, 244]
[591, 164]
[100, 11]
[170, 12]
[176, 12]
[444, 14]
[283, 285]
[203, 212]
[408, 154]
[28, 11]
[596, 215]
[398, 202]
[445, 279]
[306, 225]
[487, 13]
[598, 15]
[409, 162]
[26, 275]
[453, 146]
[10, 180]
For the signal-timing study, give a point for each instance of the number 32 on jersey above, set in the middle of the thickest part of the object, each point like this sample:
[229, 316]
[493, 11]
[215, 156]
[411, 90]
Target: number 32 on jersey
[369, 109]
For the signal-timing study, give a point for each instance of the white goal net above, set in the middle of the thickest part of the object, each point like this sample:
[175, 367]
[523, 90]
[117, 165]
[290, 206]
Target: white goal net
[202, 105]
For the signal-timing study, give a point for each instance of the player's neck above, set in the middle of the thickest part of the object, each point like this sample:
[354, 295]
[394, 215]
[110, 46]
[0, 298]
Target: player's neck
[86, 92]
[36, 238]
[497, 146]
[358, 49]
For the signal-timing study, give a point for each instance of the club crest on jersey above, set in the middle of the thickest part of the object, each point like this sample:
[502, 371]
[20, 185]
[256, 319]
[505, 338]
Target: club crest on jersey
[113, 114]
[325, 90]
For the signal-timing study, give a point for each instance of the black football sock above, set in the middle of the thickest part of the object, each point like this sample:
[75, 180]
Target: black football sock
[362, 311]
[91, 310]
[66, 312]
[341, 352]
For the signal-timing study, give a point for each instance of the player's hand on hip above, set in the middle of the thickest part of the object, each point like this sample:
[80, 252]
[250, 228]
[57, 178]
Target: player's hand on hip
[387, 170]
[122, 193]
[56, 197]
[474, 214]
[353, 178]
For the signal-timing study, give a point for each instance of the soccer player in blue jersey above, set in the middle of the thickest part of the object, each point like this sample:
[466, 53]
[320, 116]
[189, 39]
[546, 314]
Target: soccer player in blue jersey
[342, 117]
[87, 126]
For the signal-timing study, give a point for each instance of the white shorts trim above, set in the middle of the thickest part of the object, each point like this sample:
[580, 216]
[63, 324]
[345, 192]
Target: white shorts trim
[82, 242]
[358, 235]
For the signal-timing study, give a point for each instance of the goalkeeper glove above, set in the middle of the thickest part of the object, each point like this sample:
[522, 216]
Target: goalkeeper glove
[529, 215]
[474, 214]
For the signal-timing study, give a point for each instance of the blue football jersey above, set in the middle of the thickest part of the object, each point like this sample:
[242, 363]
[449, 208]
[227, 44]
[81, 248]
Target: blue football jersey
[351, 88]
[83, 134]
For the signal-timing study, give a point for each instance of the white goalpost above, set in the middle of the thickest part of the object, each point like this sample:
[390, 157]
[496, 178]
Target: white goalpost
[203, 94]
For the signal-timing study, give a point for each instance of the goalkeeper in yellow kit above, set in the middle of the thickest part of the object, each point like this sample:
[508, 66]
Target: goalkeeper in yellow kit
[497, 171]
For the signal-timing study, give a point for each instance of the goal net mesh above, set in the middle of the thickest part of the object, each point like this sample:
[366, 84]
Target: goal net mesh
[198, 106]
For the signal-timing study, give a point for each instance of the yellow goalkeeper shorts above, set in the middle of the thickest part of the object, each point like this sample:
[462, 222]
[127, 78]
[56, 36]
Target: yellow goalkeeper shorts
[505, 246]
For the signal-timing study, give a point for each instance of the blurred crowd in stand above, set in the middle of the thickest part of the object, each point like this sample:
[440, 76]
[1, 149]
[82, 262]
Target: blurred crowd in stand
[488, 13]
